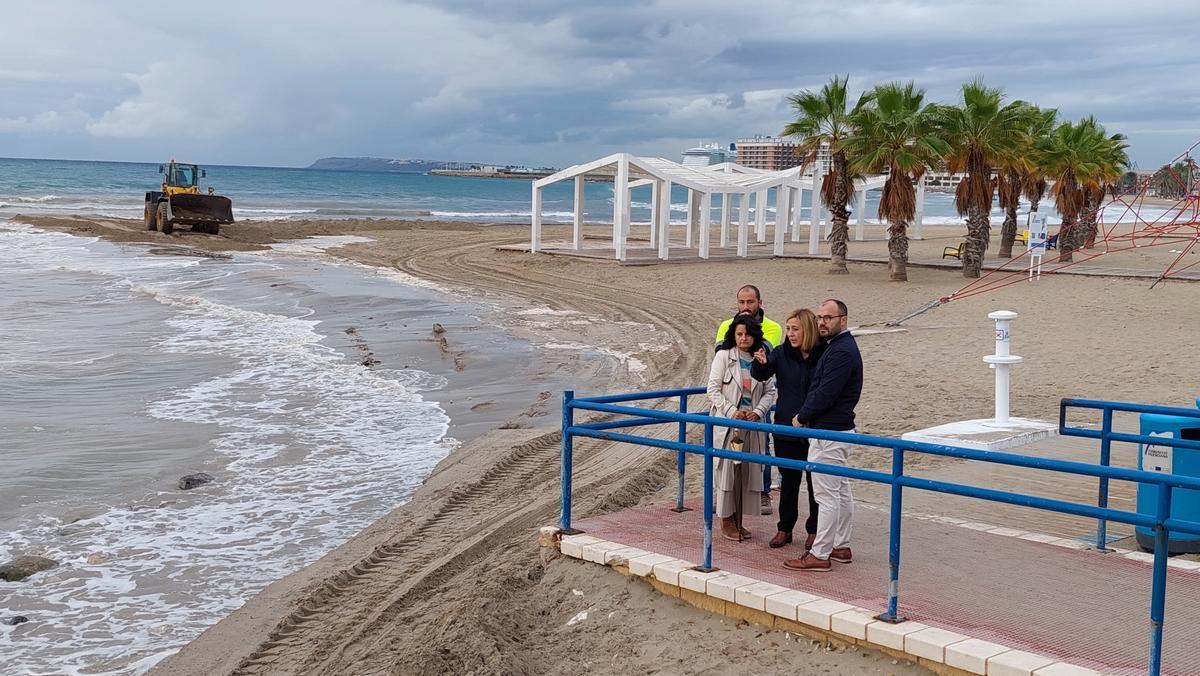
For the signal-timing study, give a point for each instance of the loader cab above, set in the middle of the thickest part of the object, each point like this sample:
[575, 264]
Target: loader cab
[179, 177]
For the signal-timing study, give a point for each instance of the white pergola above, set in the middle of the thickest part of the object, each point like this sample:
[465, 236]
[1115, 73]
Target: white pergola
[729, 181]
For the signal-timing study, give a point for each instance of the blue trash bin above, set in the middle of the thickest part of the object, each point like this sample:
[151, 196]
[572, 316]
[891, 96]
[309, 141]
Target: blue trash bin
[1185, 504]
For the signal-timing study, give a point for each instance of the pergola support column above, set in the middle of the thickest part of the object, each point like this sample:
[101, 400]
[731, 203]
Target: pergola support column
[577, 223]
[705, 223]
[535, 241]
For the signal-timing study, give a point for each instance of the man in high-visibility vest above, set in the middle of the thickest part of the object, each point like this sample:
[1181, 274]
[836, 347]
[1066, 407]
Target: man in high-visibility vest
[749, 302]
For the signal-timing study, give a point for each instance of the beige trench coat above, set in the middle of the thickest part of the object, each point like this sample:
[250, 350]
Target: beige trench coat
[724, 393]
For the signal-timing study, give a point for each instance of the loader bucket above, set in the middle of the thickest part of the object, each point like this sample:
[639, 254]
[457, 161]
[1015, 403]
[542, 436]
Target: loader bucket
[203, 209]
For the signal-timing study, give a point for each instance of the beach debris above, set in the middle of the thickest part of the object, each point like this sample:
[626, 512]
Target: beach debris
[15, 620]
[579, 617]
[439, 335]
[23, 566]
[576, 592]
[366, 356]
[190, 481]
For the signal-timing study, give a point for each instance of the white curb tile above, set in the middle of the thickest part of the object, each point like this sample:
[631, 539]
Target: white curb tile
[1040, 537]
[972, 654]
[644, 565]
[1016, 663]
[852, 623]
[953, 520]
[1065, 669]
[622, 556]
[931, 643]
[819, 613]
[572, 545]
[975, 525]
[892, 635]
[1070, 543]
[697, 581]
[1140, 556]
[1007, 532]
[755, 595]
[785, 604]
[1183, 564]
[595, 551]
[668, 571]
[725, 586]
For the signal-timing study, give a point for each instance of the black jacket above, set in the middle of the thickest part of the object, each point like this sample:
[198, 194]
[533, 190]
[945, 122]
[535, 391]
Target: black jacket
[793, 374]
[836, 386]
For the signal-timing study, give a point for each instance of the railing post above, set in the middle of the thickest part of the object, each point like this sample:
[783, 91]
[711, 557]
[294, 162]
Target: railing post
[1105, 461]
[892, 615]
[1158, 594]
[568, 420]
[681, 459]
[707, 566]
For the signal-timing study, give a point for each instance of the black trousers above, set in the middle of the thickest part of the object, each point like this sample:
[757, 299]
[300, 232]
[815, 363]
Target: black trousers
[789, 488]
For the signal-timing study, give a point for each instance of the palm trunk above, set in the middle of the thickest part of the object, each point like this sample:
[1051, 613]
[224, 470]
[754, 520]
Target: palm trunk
[898, 251]
[976, 241]
[839, 232]
[1008, 232]
[1066, 239]
[1087, 223]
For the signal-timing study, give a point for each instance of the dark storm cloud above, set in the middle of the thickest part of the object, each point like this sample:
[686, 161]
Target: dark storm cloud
[552, 83]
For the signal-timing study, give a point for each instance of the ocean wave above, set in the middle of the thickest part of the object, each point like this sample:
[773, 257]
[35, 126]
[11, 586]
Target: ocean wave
[25, 199]
[297, 428]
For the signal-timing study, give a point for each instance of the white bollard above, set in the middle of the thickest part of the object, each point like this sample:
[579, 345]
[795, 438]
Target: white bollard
[1002, 360]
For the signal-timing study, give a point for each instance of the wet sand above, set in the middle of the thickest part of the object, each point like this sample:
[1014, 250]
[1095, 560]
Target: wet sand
[454, 582]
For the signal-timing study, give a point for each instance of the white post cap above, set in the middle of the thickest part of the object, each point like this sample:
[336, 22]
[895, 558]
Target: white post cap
[1002, 314]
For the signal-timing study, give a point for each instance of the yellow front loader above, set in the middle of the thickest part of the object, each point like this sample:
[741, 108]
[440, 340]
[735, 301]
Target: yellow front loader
[180, 202]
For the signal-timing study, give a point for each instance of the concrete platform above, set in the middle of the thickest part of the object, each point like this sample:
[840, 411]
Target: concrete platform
[986, 434]
[979, 598]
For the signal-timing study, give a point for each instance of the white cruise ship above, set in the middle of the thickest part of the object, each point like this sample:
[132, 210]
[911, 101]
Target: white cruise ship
[708, 154]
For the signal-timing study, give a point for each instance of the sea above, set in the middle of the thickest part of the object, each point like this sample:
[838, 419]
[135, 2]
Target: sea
[310, 389]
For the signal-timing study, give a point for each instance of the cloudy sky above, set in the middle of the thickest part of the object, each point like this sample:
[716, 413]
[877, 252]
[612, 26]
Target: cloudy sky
[552, 83]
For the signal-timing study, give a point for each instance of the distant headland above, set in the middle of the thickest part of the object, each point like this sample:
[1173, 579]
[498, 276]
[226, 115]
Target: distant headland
[438, 167]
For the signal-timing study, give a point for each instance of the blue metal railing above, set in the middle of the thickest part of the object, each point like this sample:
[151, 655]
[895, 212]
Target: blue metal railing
[1106, 436]
[1162, 523]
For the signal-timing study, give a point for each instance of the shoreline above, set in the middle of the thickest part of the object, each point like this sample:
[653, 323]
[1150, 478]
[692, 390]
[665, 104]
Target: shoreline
[455, 578]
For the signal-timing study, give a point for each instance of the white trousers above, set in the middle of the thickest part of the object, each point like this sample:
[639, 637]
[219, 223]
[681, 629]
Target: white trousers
[833, 496]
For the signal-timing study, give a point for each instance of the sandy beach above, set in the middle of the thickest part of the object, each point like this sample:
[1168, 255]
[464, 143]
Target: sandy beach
[454, 582]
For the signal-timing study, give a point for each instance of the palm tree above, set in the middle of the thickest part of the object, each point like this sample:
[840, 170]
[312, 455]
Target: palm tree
[1082, 160]
[895, 131]
[982, 135]
[1111, 165]
[822, 118]
[1021, 175]
[1033, 173]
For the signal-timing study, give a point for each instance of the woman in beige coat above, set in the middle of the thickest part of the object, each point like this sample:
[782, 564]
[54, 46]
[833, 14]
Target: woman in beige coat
[735, 394]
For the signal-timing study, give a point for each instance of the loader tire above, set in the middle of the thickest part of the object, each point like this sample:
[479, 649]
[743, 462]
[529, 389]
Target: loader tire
[150, 216]
[164, 225]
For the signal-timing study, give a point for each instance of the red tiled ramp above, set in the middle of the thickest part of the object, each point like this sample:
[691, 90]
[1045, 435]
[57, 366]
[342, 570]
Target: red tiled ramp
[1084, 607]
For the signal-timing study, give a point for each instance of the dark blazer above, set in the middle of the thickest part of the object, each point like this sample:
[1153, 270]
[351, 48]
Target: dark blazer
[836, 386]
[793, 374]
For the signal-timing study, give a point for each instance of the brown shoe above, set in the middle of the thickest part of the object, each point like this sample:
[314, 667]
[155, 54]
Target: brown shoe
[841, 555]
[809, 563]
[781, 538]
[809, 540]
[729, 529]
[745, 534]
